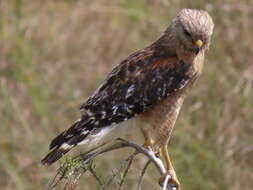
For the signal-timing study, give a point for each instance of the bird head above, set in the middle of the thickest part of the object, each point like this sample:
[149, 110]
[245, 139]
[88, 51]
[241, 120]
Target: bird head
[192, 29]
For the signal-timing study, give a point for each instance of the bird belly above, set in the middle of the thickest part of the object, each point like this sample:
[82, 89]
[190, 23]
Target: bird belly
[159, 121]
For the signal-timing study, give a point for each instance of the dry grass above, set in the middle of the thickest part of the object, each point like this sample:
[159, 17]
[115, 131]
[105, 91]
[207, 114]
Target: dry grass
[53, 54]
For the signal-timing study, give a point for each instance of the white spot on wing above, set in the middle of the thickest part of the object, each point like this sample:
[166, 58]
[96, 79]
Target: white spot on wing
[66, 146]
[78, 120]
[130, 90]
[89, 112]
[128, 110]
[115, 109]
[103, 114]
[164, 90]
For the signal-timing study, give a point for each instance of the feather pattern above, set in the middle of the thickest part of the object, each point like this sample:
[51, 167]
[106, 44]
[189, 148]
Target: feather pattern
[135, 85]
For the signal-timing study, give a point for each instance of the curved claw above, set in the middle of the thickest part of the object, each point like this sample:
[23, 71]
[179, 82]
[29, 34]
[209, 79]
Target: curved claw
[168, 186]
[173, 187]
[169, 181]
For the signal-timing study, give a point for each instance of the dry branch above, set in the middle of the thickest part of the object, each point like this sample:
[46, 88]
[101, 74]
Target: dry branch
[73, 169]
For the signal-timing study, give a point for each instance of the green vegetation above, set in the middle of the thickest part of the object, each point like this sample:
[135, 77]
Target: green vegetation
[54, 54]
[68, 164]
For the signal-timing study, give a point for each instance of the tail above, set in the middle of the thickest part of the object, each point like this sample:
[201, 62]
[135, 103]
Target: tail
[67, 140]
[53, 156]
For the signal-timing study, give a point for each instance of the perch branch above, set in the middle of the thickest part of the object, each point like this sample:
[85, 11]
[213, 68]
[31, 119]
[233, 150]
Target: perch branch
[96, 176]
[142, 174]
[130, 161]
[119, 168]
[87, 159]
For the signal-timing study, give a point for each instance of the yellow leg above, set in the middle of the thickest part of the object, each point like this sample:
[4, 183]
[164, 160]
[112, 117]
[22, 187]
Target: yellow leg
[169, 168]
[166, 157]
[148, 140]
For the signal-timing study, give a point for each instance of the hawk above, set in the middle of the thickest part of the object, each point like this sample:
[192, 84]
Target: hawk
[149, 86]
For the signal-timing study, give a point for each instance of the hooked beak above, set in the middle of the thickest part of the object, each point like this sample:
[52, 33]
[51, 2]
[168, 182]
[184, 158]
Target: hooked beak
[199, 43]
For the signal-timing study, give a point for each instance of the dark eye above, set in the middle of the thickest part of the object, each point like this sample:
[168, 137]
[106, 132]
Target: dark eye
[186, 32]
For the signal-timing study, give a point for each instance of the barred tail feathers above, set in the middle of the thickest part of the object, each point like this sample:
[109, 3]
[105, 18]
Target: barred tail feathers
[64, 142]
[84, 131]
[54, 155]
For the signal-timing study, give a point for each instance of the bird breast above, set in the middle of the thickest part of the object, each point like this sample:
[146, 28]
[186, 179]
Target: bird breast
[160, 120]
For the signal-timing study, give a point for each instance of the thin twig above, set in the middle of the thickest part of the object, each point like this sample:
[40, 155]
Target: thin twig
[142, 175]
[55, 181]
[166, 180]
[101, 183]
[149, 153]
[130, 161]
[120, 143]
[121, 165]
[72, 182]
[87, 157]
[70, 185]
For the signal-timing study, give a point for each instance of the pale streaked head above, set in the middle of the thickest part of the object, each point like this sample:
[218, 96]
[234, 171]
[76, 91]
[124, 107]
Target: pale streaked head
[193, 29]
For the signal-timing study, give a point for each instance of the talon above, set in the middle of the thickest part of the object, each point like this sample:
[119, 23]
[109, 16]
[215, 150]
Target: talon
[159, 153]
[172, 187]
[148, 143]
[173, 181]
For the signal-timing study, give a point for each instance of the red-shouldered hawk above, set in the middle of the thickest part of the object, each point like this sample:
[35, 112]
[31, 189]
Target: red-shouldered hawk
[150, 85]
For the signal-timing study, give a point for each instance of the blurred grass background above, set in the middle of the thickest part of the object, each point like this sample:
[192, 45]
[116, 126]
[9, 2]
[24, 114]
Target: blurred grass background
[54, 54]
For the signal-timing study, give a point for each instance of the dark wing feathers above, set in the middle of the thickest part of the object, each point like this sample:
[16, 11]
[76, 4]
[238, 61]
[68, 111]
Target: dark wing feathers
[131, 88]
